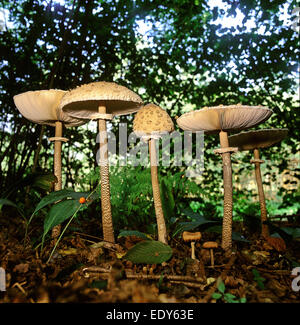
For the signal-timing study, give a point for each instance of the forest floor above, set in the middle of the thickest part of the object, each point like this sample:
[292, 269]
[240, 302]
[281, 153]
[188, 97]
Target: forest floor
[85, 269]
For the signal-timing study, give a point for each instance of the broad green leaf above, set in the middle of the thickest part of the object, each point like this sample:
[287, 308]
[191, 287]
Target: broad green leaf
[136, 233]
[60, 195]
[59, 213]
[149, 252]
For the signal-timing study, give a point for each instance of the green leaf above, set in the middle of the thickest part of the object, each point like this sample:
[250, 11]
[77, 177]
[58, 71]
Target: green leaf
[216, 295]
[7, 202]
[60, 195]
[221, 286]
[136, 233]
[59, 213]
[149, 252]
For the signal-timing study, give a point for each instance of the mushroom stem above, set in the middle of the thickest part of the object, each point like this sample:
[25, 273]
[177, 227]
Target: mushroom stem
[212, 261]
[227, 180]
[57, 169]
[262, 202]
[193, 250]
[161, 225]
[107, 223]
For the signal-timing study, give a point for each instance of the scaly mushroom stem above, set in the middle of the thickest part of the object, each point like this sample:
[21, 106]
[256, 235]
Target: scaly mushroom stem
[161, 225]
[57, 169]
[227, 180]
[262, 201]
[193, 250]
[107, 223]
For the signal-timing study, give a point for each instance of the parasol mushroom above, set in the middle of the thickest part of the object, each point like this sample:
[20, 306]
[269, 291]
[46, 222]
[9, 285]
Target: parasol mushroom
[150, 123]
[211, 245]
[191, 237]
[41, 107]
[223, 119]
[101, 101]
[255, 140]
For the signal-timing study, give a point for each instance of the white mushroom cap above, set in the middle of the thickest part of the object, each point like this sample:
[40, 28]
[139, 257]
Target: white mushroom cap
[224, 118]
[41, 106]
[83, 101]
[257, 139]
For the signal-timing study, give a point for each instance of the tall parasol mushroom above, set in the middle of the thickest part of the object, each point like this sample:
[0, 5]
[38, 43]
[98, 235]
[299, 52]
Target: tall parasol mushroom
[150, 123]
[101, 101]
[255, 140]
[223, 119]
[41, 106]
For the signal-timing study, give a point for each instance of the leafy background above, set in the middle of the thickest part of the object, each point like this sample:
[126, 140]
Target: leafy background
[183, 59]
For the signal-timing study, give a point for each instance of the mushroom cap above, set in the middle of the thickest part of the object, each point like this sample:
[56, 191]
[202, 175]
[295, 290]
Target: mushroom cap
[191, 236]
[41, 106]
[152, 119]
[224, 118]
[210, 244]
[83, 101]
[257, 139]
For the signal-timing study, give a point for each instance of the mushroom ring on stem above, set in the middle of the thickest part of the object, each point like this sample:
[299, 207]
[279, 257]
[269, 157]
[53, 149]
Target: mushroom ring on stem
[101, 101]
[223, 119]
[191, 237]
[150, 123]
[42, 107]
[256, 140]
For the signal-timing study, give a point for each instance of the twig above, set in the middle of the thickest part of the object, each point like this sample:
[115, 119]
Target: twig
[190, 284]
[185, 278]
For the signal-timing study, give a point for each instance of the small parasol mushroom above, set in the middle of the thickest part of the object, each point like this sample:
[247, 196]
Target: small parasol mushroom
[150, 122]
[255, 140]
[211, 245]
[101, 101]
[41, 107]
[224, 119]
[191, 237]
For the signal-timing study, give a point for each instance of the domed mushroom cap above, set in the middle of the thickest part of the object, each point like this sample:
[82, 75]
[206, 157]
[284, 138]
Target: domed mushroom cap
[257, 139]
[152, 119]
[83, 101]
[41, 106]
[224, 118]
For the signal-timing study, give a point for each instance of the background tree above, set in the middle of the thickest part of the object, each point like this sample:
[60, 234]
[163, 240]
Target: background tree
[184, 59]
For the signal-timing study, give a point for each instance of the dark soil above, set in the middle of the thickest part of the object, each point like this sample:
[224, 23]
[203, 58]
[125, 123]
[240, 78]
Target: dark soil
[85, 269]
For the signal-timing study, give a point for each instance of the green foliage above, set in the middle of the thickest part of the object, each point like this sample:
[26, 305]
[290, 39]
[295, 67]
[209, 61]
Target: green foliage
[185, 60]
[149, 252]
[258, 279]
[227, 297]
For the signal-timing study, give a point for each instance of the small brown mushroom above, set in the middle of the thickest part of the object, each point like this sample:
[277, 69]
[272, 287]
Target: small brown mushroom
[211, 245]
[191, 237]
